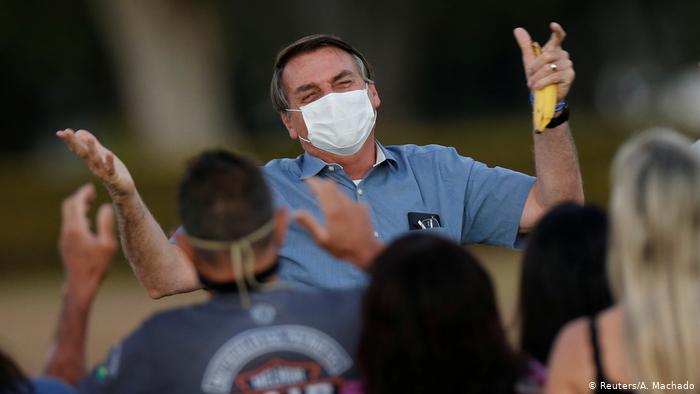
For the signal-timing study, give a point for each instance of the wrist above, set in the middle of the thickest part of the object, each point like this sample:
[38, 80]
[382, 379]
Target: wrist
[79, 293]
[559, 118]
[123, 197]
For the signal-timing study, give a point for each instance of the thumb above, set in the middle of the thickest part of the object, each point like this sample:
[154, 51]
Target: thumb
[525, 44]
[318, 233]
[105, 224]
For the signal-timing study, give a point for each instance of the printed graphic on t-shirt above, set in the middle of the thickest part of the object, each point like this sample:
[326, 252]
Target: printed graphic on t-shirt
[279, 359]
[287, 377]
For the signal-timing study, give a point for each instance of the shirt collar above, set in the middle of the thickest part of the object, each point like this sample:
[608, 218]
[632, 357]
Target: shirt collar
[384, 155]
[312, 165]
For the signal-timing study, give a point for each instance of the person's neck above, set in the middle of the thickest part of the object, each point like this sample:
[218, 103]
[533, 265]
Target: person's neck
[356, 166]
[222, 273]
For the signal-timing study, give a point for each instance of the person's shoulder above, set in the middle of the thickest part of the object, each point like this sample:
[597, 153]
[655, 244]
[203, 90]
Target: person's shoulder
[283, 167]
[330, 302]
[326, 296]
[431, 157]
[409, 150]
[570, 361]
[574, 337]
[172, 317]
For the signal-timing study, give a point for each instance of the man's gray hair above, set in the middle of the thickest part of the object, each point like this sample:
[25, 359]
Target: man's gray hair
[305, 45]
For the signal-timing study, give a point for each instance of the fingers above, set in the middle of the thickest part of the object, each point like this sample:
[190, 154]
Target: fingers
[558, 57]
[320, 187]
[99, 160]
[557, 37]
[565, 78]
[94, 158]
[74, 143]
[105, 225]
[318, 233]
[82, 142]
[525, 44]
[563, 70]
[75, 208]
[546, 74]
[109, 162]
[329, 196]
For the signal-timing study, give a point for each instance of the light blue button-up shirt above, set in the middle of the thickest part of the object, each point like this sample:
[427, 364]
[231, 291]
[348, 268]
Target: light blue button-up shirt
[475, 204]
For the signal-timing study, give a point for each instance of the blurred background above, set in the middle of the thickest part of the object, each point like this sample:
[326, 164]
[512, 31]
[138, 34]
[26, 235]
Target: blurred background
[159, 80]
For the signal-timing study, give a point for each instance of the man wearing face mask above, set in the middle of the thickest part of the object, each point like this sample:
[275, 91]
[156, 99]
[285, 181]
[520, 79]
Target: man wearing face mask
[324, 91]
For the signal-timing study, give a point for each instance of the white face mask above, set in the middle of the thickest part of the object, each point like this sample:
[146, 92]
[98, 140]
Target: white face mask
[339, 123]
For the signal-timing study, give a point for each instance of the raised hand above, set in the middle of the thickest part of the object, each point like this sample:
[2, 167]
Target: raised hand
[85, 255]
[101, 162]
[553, 66]
[347, 233]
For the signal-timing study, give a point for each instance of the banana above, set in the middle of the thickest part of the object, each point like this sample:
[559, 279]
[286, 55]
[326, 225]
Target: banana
[545, 100]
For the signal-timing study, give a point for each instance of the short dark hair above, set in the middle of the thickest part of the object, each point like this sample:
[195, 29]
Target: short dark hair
[223, 196]
[563, 276]
[430, 323]
[305, 45]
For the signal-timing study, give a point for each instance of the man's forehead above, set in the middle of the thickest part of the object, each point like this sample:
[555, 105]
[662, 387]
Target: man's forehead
[317, 66]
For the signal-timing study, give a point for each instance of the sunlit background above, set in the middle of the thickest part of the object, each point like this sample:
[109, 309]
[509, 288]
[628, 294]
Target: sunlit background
[159, 80]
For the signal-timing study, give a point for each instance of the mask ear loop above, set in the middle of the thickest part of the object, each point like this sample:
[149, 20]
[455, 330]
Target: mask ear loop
[248, 258]
[236, 261]
[249, 265]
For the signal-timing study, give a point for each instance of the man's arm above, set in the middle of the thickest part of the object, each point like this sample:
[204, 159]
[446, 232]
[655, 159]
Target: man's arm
[161, 267]
[556, 161]
[85, 258]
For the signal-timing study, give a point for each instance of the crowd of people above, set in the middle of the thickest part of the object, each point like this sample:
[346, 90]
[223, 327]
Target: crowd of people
[344, 270]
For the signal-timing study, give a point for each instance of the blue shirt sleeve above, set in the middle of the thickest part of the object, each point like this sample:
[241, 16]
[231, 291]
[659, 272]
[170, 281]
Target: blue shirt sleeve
[50, 385]
[494, 201]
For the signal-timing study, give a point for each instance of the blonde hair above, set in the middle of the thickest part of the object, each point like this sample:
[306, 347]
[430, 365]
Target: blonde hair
[654, 257]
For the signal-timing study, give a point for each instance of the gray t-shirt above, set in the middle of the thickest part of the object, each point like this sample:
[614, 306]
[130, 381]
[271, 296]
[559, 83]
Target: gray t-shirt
[289, 341]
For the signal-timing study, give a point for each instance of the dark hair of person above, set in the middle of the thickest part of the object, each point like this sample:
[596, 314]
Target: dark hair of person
[223, 197]
[564, 274]
[12, 380]
[308, 44]
[430, 323]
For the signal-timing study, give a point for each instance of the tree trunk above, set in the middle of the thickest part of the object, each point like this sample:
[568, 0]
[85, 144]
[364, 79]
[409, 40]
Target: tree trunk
[169, 57]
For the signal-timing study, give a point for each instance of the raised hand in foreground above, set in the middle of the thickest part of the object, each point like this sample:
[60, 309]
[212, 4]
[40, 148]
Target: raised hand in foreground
[161, 267]
[101, 162]
[85, 256]
[347, 233]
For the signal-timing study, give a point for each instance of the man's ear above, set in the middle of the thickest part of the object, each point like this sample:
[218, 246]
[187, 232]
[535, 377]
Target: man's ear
[373, 95]
[287, 120]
